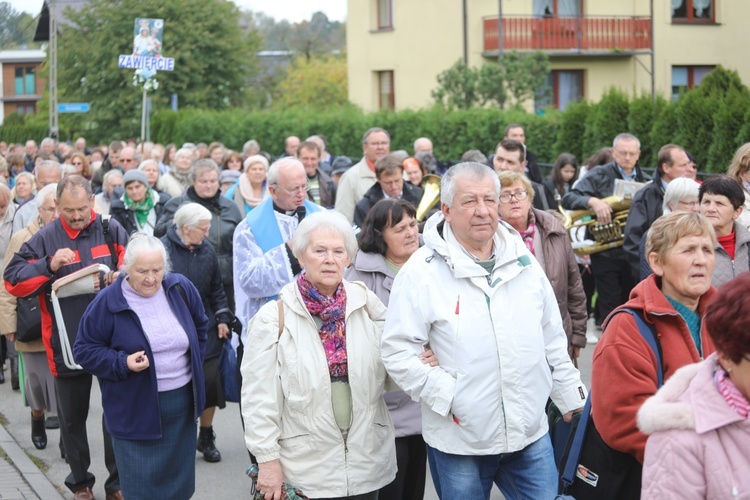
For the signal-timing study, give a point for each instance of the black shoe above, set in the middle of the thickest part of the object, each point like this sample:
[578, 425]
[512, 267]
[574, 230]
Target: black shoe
[38, 434]
[14, 374]
[52, 423]
[207, 446]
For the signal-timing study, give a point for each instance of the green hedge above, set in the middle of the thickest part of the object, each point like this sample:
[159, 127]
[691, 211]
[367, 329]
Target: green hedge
[710, 121]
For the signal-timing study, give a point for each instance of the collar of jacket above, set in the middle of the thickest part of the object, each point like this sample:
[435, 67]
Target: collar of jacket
[372, 263]
[648, 297]
[72, 233]
[175, 238]
[742, 235]
[670, 408]
[511, 256]
[547, 223]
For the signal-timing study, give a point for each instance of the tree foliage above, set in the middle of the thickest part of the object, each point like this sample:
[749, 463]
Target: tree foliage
[213, 59]
[518, 79]
[16, 28]
[318, 83]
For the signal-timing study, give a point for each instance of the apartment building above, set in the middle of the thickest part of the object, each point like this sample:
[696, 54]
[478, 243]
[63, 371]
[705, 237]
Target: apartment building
[20, 81]
[396, 48]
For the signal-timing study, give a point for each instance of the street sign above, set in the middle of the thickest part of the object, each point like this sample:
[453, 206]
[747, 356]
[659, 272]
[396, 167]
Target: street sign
[74, 107]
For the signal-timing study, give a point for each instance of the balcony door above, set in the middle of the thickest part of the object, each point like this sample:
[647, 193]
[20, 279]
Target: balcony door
[557, 8]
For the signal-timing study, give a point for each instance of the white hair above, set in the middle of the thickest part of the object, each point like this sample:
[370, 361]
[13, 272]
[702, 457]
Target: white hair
[141, 243]
[183, 151]
[146, 163]
[107, 179]
[41, 195]
[476, 171]
[330, 220]
[285, 163]
[190, 214]
[677, 190]
[626, 137]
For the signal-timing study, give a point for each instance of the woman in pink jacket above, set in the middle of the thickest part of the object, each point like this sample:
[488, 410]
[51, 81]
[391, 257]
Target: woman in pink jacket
[699, 420]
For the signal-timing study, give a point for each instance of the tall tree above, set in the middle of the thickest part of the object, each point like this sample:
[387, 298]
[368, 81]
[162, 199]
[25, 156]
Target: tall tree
[213, 59]
[16, 28]
[319, 82]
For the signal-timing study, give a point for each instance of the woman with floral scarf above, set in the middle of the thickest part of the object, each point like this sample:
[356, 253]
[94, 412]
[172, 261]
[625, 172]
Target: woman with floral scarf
[139, 207]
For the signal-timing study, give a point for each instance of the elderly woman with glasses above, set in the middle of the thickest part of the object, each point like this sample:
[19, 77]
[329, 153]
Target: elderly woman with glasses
[548, 240]
[313, 379]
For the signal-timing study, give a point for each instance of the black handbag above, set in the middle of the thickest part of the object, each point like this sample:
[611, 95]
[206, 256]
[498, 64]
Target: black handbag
[590, 469]
[29, 320]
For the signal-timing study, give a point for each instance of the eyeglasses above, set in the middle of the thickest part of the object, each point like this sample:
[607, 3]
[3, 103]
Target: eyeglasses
[689, 204]
[519, 195]
[627, 154]
[299, 189]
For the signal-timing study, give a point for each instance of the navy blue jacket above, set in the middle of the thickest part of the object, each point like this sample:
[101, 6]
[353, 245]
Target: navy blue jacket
[110, 331]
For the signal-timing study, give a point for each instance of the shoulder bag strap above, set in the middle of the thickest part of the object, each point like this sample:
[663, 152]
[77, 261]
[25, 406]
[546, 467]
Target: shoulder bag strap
[648, 332]
[108, 239]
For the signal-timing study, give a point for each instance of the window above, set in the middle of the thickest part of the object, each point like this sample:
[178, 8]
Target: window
[26, 110]
[562, 88]
[556, 8]
[385, 90]
[687, 77]
[385, 14]
[25, 81]
[693, 11]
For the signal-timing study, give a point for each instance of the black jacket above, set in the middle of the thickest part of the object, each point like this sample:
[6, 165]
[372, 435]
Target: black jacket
[410, 193]
[533, 172]
[645, 208]
[224, 218]
[199, 264]
[598, 183]
[126, 217]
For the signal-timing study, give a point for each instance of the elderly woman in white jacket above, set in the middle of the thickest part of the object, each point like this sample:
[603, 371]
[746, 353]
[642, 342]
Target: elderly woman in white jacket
[313, 379]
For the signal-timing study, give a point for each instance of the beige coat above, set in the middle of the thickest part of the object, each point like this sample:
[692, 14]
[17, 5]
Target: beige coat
[286, 395]
[8, 317]
[352, 187]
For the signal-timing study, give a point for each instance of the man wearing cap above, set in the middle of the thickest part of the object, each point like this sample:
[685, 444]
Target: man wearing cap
[353, 185]
[139, 207]
[322, 190]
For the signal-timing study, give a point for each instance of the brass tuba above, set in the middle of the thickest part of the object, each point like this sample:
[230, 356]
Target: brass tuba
[431, 197]
[582, 224]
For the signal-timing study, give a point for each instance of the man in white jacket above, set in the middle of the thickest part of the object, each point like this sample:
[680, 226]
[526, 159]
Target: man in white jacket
[475, 294]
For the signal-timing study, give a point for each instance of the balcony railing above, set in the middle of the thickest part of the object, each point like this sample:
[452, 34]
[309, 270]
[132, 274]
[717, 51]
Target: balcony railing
[592, 34]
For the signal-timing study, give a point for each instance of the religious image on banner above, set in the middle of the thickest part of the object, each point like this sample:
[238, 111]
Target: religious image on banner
[147, 39]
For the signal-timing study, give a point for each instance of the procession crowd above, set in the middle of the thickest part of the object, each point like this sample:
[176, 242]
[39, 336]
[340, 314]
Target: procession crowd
[386, 313]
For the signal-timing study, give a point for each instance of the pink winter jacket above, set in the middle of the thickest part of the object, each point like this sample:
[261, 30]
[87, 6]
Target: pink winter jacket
[698, 446]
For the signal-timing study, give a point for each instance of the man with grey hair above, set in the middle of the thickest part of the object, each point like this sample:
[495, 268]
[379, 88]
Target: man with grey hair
[48, 147]
[376, 143]
[76, 240]
[610, 268]
[423, 144]
[481, 301]
[30, 151]
[47, 172]
[291, 144]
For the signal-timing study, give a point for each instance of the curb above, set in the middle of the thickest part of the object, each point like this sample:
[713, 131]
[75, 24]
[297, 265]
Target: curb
[30, 472]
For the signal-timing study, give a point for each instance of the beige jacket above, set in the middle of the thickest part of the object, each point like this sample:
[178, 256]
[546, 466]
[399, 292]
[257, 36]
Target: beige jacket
[8, 317]
[352, 187]
[286, 398]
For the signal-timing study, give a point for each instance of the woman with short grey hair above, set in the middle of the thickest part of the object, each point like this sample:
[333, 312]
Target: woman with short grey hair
[144, 338]
[177, 180]
[681, 194]
[197, 261]
[317, 420]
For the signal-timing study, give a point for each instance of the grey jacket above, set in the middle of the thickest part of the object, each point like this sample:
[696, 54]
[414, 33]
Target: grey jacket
[371, 269]
[727, 269]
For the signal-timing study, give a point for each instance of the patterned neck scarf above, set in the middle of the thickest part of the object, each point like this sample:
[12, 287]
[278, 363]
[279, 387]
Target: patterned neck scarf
[732, 395]
[141, 208]
[332, 311]
[528, 234]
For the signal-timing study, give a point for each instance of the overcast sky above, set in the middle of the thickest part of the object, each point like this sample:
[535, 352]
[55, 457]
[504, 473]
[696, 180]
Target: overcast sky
[292, 10]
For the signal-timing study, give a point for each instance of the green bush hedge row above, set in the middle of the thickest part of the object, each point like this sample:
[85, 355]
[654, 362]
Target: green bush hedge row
[711, 121]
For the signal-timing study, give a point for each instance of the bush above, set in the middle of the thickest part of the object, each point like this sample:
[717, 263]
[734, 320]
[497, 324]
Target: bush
[663, 130]
[643, 112]
[571, 132]
[609, 119]
[728, 120]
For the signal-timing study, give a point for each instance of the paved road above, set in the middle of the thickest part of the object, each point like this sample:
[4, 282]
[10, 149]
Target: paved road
[225, 479]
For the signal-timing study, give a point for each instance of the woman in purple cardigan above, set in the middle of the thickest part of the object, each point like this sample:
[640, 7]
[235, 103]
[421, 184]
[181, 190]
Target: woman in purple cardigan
[144, 338]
